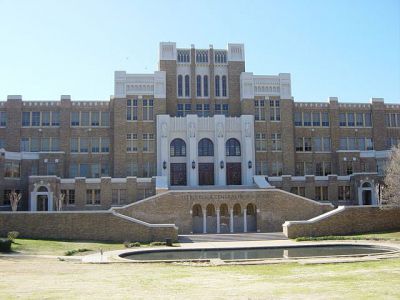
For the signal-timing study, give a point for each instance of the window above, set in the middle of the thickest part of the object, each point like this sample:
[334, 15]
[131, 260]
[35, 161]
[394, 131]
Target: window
[12, 170]
[148, 109]
[201, 56]
[322, 144]
[359, 120]
[325, 119]
[131, 142]
[35, 118]
[306, 118]
[187, 86]
[55, 118]
[276, 168]
[132, 169]
[203, 110]
[35, 145]
[148, 169]
[232, 147]
[183, 109]
[321, 193]
[322, 168]
[180, 86]
[45, 118]
[303, 144]
[95, 145]
[51, 168]
[307, 144]
[220, 57]
[85, 116]
[316, 119]
[178, 148]
[95, 118]
[206, 147]
[326, 143]
[259, 110]
[73, 170]
[74, 145]
[344, 193]
[342, 119]
[55, 144]
[262, 168]
[350, 119]
[261, 142]
[347, 168]
[222, 109]
[205, 86]
[118, 196]
[93, 197]
[69, 197]
[275, 112]
[131, 110]
[217, 87]
[26, 118]
[391, 142]
[2, 143]
[224, 90]
[6, 196]
[276, 142]
[75, 118]
[83, 145]
[298, 190]
[183, 56]
[298, 118]
[24, 145]
[148, 142]
[105, 118]
[45, 144]
[3, 119]
[368, 119]
[198, 86]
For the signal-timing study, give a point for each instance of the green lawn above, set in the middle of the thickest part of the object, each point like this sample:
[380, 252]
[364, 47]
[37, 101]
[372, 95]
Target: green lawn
[51, 247]
[380, 236]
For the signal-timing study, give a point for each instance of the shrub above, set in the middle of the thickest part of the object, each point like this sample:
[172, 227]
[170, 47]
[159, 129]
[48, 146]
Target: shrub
[158, 244]
[131, 245]
[5, 245]
[12, 235]
[73, 252]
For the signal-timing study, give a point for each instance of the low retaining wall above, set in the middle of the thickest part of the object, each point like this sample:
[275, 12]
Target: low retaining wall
[95, 225]
[346, 220]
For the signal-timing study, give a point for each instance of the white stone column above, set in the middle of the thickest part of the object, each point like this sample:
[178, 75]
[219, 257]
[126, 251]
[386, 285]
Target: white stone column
[191, 148]
[219, 150]
[204, 221]
[245, 220]
[33, 201]
[218, 221]
[231, 221]
[50, 201]
[248, 149]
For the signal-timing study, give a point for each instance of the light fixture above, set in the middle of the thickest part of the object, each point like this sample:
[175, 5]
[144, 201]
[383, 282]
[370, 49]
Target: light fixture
[164, 165]
[193, 165]
[221, 164]
[250, 164]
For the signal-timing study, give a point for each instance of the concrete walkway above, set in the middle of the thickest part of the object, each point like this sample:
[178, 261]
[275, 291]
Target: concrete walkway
[233, 237]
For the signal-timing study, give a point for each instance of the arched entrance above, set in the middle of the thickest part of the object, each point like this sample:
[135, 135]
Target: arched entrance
[41, 199]
[197, 219]
[224, 219]
[251, 218]
[211, 219]
[237, 218]
[366, 194]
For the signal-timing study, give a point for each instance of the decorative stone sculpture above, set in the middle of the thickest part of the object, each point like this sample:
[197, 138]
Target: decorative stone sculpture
[192, 130]
[247, 129]
[164, 130]
[220, 130]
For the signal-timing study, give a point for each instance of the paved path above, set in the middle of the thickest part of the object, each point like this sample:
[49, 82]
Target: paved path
[234, 237]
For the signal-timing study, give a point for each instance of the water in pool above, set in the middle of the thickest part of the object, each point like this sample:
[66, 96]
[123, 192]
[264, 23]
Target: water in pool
[257, 253]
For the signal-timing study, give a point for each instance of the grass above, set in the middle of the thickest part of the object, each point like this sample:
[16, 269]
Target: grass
[25, 278]
[379, 236]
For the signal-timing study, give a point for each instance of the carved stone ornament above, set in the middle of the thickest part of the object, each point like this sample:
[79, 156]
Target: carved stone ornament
[164, 130]
[192, 130]
[220, 130]
[247, 129]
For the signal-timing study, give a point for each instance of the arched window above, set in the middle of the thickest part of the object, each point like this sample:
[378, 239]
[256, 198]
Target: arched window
[187, 86]
[206, 147]
[42, 189]
[237, 210]
[366, 185]
[217, 91]
[180, 86]
[224, 86]
[250, 209]
[198, 81]
[210, 210]
[178, 148]
[196, 211]
[205, 85]
[232, 147]
[223, 210]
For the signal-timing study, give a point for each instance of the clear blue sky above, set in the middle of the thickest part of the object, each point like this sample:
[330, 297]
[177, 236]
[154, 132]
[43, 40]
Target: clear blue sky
[349, 49]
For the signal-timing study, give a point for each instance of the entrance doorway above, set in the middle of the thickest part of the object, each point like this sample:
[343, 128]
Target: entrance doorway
[42, 203]
[178, 174]
[206, 174]
[233, 174]
[367, 198]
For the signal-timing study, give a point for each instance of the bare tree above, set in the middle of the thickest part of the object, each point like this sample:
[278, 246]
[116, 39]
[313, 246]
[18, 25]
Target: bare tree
[391, 191]
[14, 198]
[59, 201]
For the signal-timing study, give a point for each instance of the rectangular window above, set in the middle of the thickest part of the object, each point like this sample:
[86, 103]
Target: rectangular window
[84, 170]
[351, 143]
[276, 142]
[95, 145]
[299, 144]
[2, 143]
[148, 169]
[55, 144]
[298, 118]
[105, 145]
[95, 170]
[73, 170]
[276, 168]
[369, 144]
[75, 118]
[275, 112]
[321, 193]
[261, 142]
[131, 142]
[24, 145]
[307, 144]
[45, 118]
[132, 110]
[316, 119]
[344, 193]
[12, 170]
[148, 109]
[55, 118]
[85, 118]
[132, 169]
[69, 197]
[84, 145]
[105, 119]
[262, 168]
[118, 196]
[342, 119]
[3, 119]
[45, 144]
[299, 171]
[306, 118]
[35, 145]
[51, 168]
[95, 118]
[74, 145]
[326, 144]
[35, 118]
[259, 106]
[350, 119]
[325, 119]
[93, 197]
[26, 118]
[317, 144]
[343, 144]
[359, 119]
[148, 142]
[368, 120]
